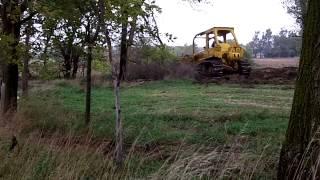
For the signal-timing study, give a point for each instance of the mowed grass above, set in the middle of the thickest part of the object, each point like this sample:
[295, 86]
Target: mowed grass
[243, 125]
[173, 111]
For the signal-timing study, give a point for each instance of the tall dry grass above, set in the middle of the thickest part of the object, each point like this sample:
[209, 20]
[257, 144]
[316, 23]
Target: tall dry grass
[53, 155]
[49, 158]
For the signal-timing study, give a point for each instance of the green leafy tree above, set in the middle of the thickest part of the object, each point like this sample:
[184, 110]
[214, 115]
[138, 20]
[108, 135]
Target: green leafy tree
[156, 54]
[266, 43]
[65, 40]
[62, 29]
[255, 44]
[94, 19]
[284, 44]
[130, 22]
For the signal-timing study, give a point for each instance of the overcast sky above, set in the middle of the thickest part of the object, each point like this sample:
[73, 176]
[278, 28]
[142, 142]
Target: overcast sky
[247, 16]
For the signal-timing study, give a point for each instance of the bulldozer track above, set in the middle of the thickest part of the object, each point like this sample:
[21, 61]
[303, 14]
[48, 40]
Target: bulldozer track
[209, 69]
[244, 68]
[213, 69]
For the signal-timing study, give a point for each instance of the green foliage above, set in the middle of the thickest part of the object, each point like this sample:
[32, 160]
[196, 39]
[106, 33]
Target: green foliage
[5, 43]
[61, 28]
[248, 52]
[100, 62]
[101, 66]
[285, 44]
[157, 54]
[183, 50]
[6, 46]
[49, 72]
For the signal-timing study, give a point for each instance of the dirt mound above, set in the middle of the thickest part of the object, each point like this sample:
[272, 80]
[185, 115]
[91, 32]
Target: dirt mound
[286, 75]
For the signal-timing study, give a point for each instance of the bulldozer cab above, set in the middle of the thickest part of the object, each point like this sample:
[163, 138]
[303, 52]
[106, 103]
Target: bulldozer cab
[222, 36]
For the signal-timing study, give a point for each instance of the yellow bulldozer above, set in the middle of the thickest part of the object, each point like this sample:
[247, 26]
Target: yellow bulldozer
[221, 54]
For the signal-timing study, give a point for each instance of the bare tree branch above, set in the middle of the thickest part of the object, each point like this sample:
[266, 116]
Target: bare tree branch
[154, 34]
[157, 29]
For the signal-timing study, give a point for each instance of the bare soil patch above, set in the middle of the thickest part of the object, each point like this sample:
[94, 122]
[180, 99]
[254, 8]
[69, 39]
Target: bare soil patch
[280, 71]
[286, 75]
[276, 62]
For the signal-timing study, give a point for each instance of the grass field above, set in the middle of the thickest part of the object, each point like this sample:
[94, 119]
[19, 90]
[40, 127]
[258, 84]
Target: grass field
[172, 129]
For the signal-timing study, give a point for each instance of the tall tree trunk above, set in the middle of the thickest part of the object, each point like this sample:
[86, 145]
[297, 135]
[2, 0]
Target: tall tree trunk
[123, 51]
[45, 55]
[10, 28]
[300, 151]
[67, 66]
[88, 92]
[25, 73]
[116, 85]
[119, 127]
[117, 82]
[91, 39]
[46, 46]
[75, 62]
[10, 85]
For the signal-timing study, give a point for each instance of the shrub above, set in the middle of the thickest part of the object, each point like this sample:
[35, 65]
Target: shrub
[181, 71]
[50, 72]
[150, 71]
[160, 71]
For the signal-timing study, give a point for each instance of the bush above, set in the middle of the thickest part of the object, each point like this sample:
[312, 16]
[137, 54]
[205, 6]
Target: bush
[181, 70]
[38, 71]
[159, 71]
[150, 71]
[151, 54]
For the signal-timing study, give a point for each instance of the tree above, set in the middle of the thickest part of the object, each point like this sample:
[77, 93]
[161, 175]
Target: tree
[254, 44]
[75, 26]
[48, 28]
[26, 59]
[12, 18]
[62, 29]
[284, 44]
[299, 157]
[266, 43]
[66, 40]
[136, 22]
[93, 13]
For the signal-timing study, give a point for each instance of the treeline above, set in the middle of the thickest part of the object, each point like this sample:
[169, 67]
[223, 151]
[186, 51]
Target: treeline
[56, 38]
[268, 45]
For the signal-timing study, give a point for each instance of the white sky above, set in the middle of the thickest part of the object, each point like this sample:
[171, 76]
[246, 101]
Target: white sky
[247, 16]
